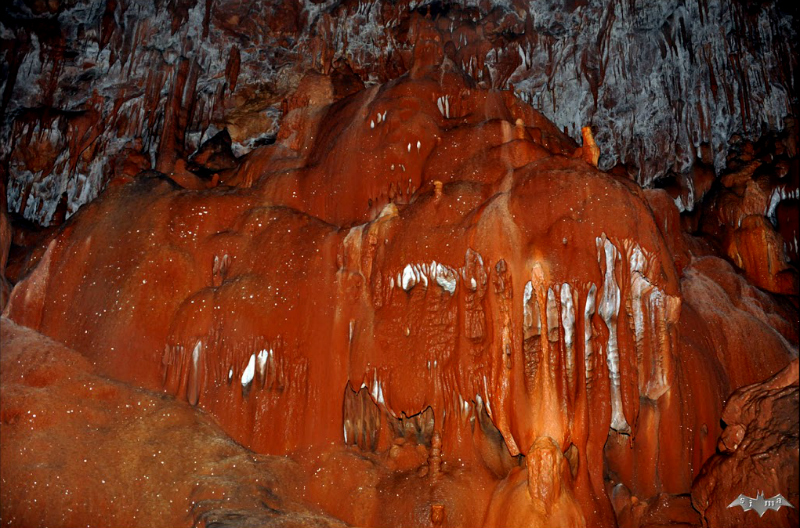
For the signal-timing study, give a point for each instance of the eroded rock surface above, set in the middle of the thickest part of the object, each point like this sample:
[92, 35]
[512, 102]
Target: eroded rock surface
[95, 89]
[80, 449]
[757, 454]
[430, 297]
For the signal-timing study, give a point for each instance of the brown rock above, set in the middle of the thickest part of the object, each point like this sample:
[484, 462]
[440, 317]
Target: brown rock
[82, 449]
[420, 260]
[762, 459]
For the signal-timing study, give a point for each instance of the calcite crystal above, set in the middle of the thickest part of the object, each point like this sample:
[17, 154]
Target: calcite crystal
[79, 449]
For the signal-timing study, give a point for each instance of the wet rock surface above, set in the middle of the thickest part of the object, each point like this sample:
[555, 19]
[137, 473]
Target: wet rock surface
[80, 449]
[411, 300]
[96, 88]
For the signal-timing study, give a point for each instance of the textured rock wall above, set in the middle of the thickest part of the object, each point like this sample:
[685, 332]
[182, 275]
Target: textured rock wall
[758, 450]
[95, 89]
[427, 275]
[327, 226]
[90, 451]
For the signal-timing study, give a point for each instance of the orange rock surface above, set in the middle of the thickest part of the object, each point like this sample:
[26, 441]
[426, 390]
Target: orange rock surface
[418, 293]
[79, 449]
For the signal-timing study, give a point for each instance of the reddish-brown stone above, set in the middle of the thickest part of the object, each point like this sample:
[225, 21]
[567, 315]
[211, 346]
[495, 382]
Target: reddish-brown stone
[80, 449]
[423, 292]
[757, 454]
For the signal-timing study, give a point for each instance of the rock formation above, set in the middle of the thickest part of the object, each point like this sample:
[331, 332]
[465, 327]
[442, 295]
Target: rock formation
[97, 88]
[758, 448]
[388, 268]
[87, 450]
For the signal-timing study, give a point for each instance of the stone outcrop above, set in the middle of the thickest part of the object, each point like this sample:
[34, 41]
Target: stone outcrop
[82, 449]
[757, 454]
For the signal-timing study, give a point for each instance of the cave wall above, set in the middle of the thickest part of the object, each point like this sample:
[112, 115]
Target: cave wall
[384, 240]
[95, 89]
[423, 265]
